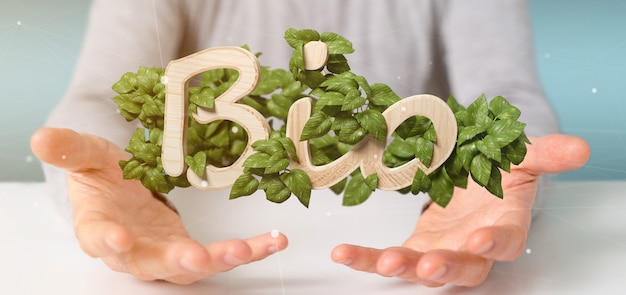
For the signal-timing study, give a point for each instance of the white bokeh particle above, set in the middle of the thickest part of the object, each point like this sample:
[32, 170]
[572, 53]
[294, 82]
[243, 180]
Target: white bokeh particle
[528, 251]
[594, 90]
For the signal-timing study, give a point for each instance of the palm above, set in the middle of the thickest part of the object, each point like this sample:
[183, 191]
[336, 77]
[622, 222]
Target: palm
[472, 209]
[459, 244]
[124, 224]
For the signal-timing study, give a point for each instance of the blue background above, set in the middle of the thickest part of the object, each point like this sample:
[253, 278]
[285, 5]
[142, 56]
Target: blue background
[580, 49]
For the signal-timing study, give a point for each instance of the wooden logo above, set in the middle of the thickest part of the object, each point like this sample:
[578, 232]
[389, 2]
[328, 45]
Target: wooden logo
[367, 154]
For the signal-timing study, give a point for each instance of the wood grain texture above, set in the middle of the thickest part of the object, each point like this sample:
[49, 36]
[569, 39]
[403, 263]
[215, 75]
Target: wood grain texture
[177, 74]
[368, 154]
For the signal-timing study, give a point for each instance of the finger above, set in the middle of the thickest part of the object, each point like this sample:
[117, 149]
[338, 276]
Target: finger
[73, 151]
[219, 257]
[265, 245]
[502, 243]
[100, 237]
[182, 262]
[356, 257]
[556, 153]
[402, 263]
[397, 262]
[450, 267]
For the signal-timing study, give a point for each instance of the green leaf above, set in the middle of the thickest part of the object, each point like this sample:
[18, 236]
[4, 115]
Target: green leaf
[481, 169]
[156, 136]
[337, 64]
[454, 104]
[281, 101]
[267, 146]
[413, 126]
[220, 138]
[336, 43]
[289, 147]
[382, 95]
[372, 181]
[424, 151]
[339, 186]
[332, 98]
[421, 182]
[374, 123]
[237, 147]
[257, 160]
[318, 125]
[495, 183]
[131, 169]
[277, 162]
[502, 109]
[296, 63]
[154, 180]
[505, 131]
[340, 84]
[516, 151]
[352, 137]
[299, 184]
[345, 121]
[353, 100]
[295, 37]
[365, 86]
[490, 148]
[401, 148]
[357, 191]
[459, 179]
[275, 189]
[478, 107]
[468, 133]
[430, 134]
[505, 163]
[197, 163]
[312, 79]
[245, 185]
[125, 84]
[206, 98]
[442, 188]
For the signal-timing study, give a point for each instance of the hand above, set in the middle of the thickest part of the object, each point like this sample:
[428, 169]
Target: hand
[459, 244]
[121, 222]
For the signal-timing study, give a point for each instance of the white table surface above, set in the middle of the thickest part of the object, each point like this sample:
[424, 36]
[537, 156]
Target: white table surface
[577, 246]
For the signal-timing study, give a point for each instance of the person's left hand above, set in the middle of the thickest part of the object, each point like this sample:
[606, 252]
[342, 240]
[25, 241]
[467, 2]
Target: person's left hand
[459, 244]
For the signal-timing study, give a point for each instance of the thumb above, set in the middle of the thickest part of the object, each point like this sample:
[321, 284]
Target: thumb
[556, 153]
[72, 151]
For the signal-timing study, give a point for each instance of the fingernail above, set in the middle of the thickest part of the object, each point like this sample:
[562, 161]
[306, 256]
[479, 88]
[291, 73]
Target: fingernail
[439, 273]
[108, 240]
[185, 263]
[398, 271]
[485, 248]
[347, 261]
[232, 260]
[272, 249]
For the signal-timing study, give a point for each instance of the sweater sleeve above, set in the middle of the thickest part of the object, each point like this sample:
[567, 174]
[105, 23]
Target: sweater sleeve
[488, 48]
[121, 36]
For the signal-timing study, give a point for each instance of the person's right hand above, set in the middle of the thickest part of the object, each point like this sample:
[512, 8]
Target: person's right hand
[122, 222]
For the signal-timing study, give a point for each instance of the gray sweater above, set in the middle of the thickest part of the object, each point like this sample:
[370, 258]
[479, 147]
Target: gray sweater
[442, 47]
